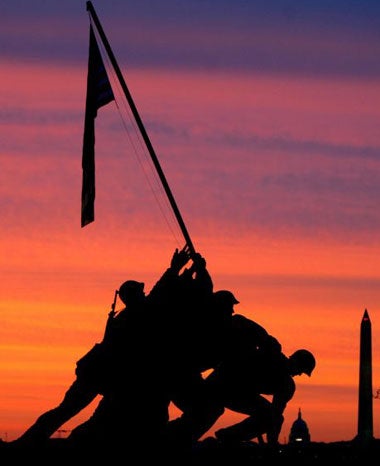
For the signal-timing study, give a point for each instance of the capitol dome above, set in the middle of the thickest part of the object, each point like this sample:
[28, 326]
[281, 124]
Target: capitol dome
[299, 432]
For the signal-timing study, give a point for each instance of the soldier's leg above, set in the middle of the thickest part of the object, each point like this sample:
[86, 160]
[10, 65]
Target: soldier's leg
[254, 426]
[200, 408]
[77, 397]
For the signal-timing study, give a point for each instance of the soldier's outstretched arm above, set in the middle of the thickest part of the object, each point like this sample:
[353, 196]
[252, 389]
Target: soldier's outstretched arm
[179, 259]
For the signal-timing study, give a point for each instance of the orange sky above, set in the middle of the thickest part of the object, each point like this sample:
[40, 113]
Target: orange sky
[275, 174]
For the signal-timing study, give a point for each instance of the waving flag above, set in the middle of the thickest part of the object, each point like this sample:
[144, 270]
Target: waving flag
[99, 93]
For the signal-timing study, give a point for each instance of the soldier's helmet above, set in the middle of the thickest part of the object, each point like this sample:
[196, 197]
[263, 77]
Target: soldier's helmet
[226, 297]
[130, 290]
[304, 360]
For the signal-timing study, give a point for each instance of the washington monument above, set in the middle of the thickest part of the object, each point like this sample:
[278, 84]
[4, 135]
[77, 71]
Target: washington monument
[365, 409]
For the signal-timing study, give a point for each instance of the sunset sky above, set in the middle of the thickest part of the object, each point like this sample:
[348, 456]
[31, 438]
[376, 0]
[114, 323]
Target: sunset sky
[265, 118]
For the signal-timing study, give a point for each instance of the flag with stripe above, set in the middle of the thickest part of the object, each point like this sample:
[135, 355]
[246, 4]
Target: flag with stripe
[99, 93]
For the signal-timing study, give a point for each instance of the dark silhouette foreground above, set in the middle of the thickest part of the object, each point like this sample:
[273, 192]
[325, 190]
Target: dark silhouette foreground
[209, 452]
[154, 352]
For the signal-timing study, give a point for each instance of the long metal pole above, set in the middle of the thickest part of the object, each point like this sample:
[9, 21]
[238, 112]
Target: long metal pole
[140, 124]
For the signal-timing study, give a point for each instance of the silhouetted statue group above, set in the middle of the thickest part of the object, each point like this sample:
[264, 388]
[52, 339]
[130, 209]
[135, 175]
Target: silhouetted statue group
[183, 344]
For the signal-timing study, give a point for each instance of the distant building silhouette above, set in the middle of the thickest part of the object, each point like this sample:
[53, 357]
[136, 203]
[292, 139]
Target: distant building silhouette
[299, 432]
[365, 408]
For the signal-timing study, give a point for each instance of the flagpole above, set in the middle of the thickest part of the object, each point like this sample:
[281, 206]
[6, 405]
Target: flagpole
[140, 124]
